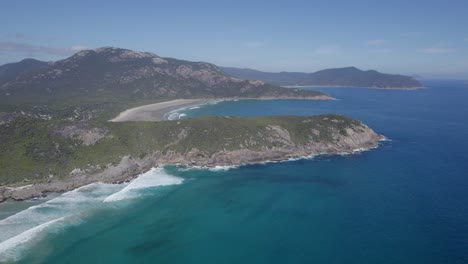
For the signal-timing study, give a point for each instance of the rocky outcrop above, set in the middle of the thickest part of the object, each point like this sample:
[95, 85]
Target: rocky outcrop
[82, 132]
[126, 170]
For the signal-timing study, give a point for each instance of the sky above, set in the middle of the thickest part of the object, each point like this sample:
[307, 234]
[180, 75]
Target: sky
[428, 38]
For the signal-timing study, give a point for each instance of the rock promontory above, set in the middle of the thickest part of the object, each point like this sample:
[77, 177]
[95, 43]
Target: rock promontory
[42, 156]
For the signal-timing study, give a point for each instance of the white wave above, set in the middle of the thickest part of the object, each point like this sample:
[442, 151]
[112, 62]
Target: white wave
[359, 150]
[179, 112]
[27, 226]
[24, 228]
[172, 115]
[73, 203]
[215, 168]
[384, 139]
[175, 115]
[306, 157]
[223, 168]
[153, 178]
[213, 102]
[10, 249]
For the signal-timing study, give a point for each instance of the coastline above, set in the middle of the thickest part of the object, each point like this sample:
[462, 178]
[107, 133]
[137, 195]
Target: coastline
[159, 111]
[131, 167]
[156, 111]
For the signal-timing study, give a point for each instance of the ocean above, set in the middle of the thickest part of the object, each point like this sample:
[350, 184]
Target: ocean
[403, 202]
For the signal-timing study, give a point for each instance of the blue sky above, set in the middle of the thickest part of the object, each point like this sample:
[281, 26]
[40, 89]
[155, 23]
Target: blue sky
[429, 38]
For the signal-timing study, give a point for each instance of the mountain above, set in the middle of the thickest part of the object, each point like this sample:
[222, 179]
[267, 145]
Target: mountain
[349, 76]
[119, 74]
[11, 71]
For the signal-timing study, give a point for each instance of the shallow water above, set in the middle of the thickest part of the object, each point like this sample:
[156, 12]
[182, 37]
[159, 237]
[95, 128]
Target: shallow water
[404, 202]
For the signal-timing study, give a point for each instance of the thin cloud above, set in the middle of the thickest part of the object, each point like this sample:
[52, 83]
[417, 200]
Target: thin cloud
[18, 47]
[436, 50]
[376, 42]
[382, 51]
[79, 47]
[254, 44]
[326, 50]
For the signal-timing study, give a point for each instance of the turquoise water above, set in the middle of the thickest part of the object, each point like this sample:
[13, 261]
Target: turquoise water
[404, 202]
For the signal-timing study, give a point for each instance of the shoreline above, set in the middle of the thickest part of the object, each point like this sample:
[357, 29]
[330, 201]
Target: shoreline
[130, 168]
[281, 160]
[159, 111]
[156, 111]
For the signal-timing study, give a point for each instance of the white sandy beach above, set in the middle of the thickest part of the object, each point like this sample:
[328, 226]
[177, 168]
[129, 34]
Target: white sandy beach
[155, 112]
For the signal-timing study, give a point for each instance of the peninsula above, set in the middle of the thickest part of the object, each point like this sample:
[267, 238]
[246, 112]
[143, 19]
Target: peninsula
[42, 156]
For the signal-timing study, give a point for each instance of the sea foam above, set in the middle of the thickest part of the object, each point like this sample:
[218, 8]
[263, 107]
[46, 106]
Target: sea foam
[153, 178]
[9, 249]
[215, 168]
[24, 228]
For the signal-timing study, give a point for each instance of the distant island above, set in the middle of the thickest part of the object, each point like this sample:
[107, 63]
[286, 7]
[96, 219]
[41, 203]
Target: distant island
[347, 77]
[41, 156]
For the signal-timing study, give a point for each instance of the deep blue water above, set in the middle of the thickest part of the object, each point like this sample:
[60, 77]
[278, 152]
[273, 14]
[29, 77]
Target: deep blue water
[404, 202]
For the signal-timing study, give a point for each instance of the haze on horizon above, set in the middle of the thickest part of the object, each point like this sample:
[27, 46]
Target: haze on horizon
[416, 37]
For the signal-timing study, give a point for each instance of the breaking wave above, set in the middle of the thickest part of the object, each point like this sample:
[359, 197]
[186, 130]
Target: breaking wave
[181, 112]
[153, 178]
[29, 226]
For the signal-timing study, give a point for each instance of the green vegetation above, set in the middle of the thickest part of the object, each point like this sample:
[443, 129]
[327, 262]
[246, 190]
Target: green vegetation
[98, 84]
[35, 149]
[112, 75]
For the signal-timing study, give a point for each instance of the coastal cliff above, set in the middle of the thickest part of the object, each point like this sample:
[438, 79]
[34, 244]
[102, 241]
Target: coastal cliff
[69, 155]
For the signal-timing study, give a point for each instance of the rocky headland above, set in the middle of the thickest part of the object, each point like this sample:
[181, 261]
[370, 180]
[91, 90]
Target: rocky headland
[76, 155]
